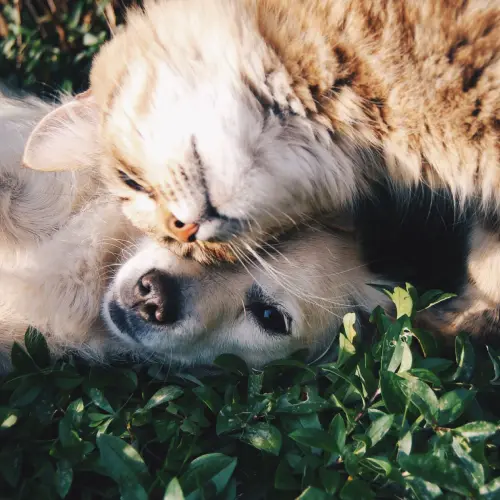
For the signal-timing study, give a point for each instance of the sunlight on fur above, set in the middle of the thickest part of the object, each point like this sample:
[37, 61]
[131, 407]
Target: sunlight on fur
[239, 118]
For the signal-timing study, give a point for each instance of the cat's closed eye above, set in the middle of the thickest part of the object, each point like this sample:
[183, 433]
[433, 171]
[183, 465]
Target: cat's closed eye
[130, 182]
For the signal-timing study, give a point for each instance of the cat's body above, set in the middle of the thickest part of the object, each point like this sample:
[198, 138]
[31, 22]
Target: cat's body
[237, 117]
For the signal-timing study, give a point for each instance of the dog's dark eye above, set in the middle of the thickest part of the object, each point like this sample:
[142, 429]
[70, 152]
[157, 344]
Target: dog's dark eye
[130, 182]
[270, 318]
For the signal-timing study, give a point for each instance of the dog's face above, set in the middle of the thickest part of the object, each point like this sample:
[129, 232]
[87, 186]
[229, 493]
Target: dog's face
[178, 311]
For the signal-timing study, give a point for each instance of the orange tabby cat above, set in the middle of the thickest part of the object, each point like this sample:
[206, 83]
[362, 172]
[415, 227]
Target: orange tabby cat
[224, 122]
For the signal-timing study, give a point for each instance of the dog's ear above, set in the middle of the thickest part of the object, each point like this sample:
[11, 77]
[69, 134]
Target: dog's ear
[66, 138]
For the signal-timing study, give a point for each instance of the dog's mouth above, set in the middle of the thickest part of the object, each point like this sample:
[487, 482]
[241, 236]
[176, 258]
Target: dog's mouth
[119, 318]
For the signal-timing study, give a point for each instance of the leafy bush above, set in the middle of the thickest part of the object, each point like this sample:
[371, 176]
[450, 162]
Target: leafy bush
[391, 418]
[48, 45]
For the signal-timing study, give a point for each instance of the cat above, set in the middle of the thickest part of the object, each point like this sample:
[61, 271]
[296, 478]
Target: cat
[224, 122]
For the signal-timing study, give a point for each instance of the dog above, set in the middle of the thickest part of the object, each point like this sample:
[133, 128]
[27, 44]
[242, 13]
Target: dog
[58, 235]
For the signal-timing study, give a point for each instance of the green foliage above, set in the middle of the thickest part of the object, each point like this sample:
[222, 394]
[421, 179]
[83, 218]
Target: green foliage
[387, 420]
[47, 46]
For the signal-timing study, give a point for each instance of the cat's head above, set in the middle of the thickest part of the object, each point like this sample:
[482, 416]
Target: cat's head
[200, 132]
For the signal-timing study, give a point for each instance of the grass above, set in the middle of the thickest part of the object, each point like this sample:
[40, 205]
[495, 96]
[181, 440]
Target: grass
[47, 45]
[391, 418]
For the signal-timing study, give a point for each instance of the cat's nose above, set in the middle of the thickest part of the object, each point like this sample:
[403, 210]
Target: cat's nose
[185, 233]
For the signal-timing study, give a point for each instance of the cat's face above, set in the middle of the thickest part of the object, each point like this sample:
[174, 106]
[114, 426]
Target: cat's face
[202, 138]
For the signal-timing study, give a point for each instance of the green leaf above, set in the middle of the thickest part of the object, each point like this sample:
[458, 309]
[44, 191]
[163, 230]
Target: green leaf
[421, 396]
[11, 461]
[490, 491]
[264, 437]
[363, 443]
[495, 359]
[453, 403]
[379, 428]
[330, 479]
[433, 297]
[378, 465]
[405, 444]
[122, 462]
[426, 376]
[338, 432]
[403, 301]
[356, 489]
[392, 347]
[435, 365]
[427, 342]
[100, 401]
[37, 347]
[213, 468]
[423, 490]
[21, 360]
[292, 363]
[67, 435]
[229, 420]
[437, 470]
[473, 469]
[354, 382]
[165, 429]
[8, 417]
[25, 394]
[75, 411]
[406, 358]
[346, 350]
[392, 393]
[312, 493]
[283, 479]
[63, 478]
[477, 431]
[173, 491]
[465, 357]
[316, 438]
[209, 397]
[312, 403]
[349, 321]
[255, 381]
[232, 364]
[164, 395]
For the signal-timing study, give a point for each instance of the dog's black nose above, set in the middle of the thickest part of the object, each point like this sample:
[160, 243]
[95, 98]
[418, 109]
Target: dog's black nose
[156, 298]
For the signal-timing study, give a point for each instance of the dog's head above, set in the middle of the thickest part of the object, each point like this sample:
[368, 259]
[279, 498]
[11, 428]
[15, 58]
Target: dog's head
[289, 298]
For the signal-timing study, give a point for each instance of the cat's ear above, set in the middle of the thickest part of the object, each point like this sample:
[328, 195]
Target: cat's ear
[66, 138]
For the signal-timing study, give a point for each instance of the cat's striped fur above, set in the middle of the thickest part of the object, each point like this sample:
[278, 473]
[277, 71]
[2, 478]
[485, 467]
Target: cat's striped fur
[243, 116]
